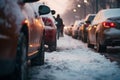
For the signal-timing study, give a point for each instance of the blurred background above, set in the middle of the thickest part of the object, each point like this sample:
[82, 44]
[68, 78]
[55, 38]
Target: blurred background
[72, 10]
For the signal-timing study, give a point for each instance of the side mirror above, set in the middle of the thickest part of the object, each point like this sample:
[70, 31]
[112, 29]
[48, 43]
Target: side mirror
[53, 12]
[29, 1]
[43, 9]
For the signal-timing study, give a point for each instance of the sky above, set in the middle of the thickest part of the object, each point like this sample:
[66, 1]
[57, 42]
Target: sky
[59, 5]
[74, 61]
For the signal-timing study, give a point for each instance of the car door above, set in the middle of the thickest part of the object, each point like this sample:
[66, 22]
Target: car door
[34, 34]
[93, 32]
[38, 22]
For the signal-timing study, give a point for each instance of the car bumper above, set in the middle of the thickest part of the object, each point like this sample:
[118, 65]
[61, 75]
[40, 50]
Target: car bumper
[112, 37]
[50, 36]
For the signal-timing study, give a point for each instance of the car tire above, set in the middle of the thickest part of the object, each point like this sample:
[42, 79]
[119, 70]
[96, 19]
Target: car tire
[99, 47]
[21, 68]
[88, 44]
[38, 60]
[53, 46]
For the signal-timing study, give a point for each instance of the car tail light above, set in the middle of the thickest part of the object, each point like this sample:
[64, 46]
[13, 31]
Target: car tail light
[109, 24]
[25, 21]
[86, 25]
[47, 21]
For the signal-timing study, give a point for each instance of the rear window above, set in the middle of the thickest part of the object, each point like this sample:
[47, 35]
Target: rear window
[112, 13]
[91, 18]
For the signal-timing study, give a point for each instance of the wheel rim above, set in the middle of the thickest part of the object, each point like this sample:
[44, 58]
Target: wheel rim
[23, 63]
[22, 58]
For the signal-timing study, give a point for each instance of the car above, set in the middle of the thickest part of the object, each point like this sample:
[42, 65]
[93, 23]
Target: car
[50, 31]
[83, 28]
[21, 37]
[105, 30]
[68, 30]
[50, 27]
[75, 28]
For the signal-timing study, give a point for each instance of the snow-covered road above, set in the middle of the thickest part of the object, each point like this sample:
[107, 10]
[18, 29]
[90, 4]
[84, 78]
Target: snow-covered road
[74, 61]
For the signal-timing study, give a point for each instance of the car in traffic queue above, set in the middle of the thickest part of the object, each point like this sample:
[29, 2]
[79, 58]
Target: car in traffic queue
[75, 28]
[50, 27]
[50, 31]
[68, 30]
[83, 29]
[105, 30]
[21, 37]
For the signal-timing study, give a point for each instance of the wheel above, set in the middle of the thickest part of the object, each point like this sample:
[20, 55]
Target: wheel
[21, 58]
[53, 46]
[58, 34]
[88, 44]
[99, 47]
[84, 39]
[38, 60]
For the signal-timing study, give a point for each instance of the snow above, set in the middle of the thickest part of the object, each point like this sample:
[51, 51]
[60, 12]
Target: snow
[102, 15]
[12, 11]
[74, 61]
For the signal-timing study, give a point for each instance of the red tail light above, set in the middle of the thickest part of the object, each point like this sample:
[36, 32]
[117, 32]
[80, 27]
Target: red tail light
[109, 24]
[86, 25]
[25, 21]
[47, 21]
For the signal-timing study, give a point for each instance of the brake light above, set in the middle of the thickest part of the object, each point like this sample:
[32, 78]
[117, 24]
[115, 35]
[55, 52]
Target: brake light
[109, 24]
[25, 21]
[47, 21]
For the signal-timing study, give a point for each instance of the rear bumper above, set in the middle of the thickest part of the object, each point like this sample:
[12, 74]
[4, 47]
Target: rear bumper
[50, 36]
[112, 42]
[111, 37]
[50, 43]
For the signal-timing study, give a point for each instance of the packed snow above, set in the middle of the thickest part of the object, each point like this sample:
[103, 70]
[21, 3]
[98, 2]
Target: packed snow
[74, 61]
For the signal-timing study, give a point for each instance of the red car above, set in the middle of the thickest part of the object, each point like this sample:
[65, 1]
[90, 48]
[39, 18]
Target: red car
[21, 37]
[50, 28]
[50, 32]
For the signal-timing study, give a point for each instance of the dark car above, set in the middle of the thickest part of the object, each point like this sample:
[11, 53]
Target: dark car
[21, 37]
[83, 28]
[105, 30]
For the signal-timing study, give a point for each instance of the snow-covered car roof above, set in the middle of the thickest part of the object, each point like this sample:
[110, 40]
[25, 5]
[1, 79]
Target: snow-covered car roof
[105, 14]
[36, 5]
